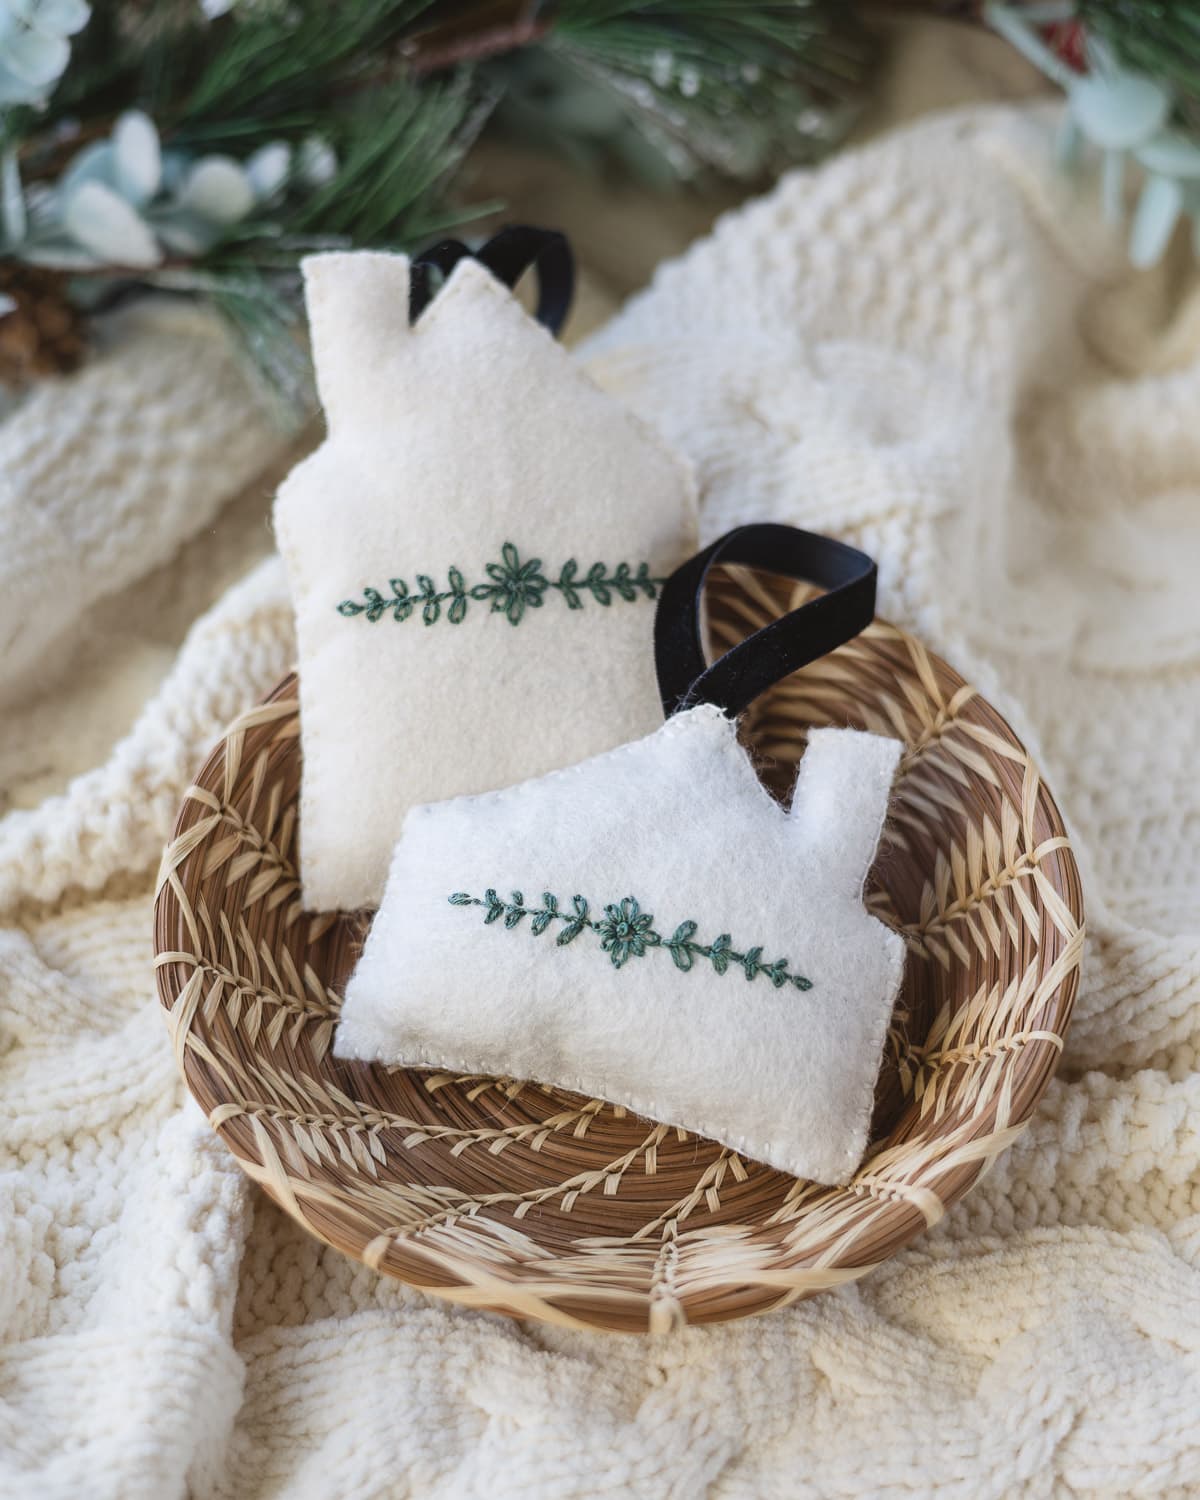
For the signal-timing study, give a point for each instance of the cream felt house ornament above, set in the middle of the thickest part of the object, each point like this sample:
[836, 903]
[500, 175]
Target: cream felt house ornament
[474, 553]
[650, 927]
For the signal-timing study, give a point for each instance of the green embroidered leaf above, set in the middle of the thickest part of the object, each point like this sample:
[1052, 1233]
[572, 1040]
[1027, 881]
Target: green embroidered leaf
[644, 581]
[460, 898]
[581, 908]
[514, 915]
[550, 902]
[570, 932]
[595, 582]
[458, 583]
[518, 898]
[684, 933]
[457, 612]
[777, 973]
[402, 606]
[348, 607]
[566, 579]
[719, 952]
[682, 956]
[482, 591]
[495, 907]
[750, 961]
[540, 922]
[801, 983]
[432, 608]
[622, 584]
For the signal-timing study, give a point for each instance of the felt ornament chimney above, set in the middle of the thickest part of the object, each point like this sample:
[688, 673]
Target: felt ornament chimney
[474, 553]
[652, 928]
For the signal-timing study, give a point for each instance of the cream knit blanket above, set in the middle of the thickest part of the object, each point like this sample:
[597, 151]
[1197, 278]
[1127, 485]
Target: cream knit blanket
[931, 348]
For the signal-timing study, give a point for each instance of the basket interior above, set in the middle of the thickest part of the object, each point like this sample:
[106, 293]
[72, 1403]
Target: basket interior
[541, 1203]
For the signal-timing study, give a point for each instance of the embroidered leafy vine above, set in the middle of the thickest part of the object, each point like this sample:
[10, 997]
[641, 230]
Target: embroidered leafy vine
[513, 587]
[626, 931]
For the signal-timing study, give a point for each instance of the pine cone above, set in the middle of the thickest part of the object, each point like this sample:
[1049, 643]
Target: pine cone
[43, 334]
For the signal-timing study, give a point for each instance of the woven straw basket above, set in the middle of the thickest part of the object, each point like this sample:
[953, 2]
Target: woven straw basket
[538, 1203]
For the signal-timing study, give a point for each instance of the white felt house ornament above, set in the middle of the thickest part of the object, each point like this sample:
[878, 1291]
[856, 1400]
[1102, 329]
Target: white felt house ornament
[474, 553]
[650, 927]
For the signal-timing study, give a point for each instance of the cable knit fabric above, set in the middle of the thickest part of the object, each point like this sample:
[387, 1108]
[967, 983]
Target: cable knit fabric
[932, 348]
[104, 473]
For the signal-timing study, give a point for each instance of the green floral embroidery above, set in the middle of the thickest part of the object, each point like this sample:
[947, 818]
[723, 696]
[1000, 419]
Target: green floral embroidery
[514, 587]
[626, 931]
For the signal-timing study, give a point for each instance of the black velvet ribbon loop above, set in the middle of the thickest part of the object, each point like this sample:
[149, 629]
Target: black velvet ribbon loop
[734, 680]
[507, 255]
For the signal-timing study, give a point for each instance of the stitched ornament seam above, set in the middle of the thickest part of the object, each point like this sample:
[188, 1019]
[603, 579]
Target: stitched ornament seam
[514, 587]
[626, 932]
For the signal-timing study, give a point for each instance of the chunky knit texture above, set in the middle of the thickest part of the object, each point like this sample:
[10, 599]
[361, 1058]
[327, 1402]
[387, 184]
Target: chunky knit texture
[932, 348]
[103, 475]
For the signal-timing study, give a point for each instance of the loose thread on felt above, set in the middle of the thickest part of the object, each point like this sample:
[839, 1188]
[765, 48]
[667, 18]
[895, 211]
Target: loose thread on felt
[626, 932]
[515, 586]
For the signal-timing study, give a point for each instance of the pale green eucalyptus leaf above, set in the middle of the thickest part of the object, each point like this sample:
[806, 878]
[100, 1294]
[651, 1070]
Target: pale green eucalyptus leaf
[1171, 154]
[268, 169]
[100, 220]
[14, 222]
[137, 161]
[1118, 111]
[218, 189]
[1154, 220]
[95, 163]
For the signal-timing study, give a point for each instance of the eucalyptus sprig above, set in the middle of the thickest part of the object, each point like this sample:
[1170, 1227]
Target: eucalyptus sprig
[1133, 121]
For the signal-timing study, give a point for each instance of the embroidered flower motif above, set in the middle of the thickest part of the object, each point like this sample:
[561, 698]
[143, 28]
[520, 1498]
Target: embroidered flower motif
[518, 585]
[626, 931]
[515, 586]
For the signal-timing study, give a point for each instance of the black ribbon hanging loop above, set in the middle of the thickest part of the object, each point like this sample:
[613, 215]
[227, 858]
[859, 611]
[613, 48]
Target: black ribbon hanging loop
[820, 626]
[507, 255]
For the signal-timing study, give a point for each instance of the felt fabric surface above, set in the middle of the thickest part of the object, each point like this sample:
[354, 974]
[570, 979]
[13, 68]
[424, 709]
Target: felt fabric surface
[955, 355]
[760, 1023]
[468, 459]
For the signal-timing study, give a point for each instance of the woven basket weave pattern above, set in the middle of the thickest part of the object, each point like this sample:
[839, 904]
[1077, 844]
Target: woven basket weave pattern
[540, 1203]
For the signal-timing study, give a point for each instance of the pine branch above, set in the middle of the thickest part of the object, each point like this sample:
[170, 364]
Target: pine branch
[289, 68]
[398, 152]
[742, 88]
